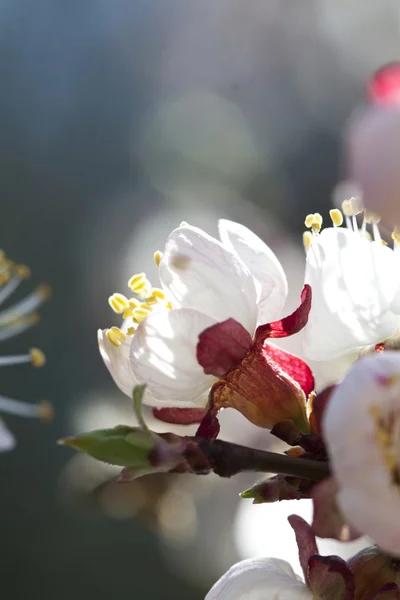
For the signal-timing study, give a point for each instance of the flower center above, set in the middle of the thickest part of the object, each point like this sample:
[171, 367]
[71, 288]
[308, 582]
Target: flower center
[133, 310]
[350, 210]
[387, 432]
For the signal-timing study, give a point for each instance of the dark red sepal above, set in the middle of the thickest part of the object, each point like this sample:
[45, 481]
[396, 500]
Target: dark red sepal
[289, 325]
[294, 366]
[222, 347]
[179, 416]
[329, 578]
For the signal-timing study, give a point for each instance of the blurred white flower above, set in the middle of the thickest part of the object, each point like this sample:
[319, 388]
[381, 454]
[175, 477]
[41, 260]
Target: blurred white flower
[260, 579]
[356, 293]
[204, 281]
[362, 432]
[14, 320]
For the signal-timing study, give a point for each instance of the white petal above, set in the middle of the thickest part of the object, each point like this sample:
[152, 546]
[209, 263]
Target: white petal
[353, 284]
[270, 278]
[368, 497]
[117, 362]
[198, 272]
[7, 439]
[163, 355]
[260, 579]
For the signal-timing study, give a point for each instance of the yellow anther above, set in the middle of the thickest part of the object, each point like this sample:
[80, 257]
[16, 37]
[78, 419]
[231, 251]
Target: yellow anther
[46, 411]
[352, 207]
[157, 257]
[33, 318]
[139, 314]
[131, 331]
[133, 303]
[169, 305]
[150, 301]
[307, 239]
[4, 277]
[384, 242]
[128, 312]
[183, 224]
[115, 335]
[37, 357]
[336, 216]
[309, 220]
[371, 217]
[158, 293]
[347, 208]
[118, 303]
[396, 235]
[140, 285]
[136, 279]
[44, 291]
[22, 271]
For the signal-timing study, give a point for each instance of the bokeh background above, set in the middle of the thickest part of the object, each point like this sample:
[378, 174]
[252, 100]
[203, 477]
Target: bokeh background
[118, 120]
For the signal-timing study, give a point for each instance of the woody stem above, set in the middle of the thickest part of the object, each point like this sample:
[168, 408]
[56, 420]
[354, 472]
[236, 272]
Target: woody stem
[227, 459]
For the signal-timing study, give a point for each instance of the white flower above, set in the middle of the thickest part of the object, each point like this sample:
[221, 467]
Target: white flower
[15, 319]
[204, 281]
[355, 286]
[260, 579]
[362, 431]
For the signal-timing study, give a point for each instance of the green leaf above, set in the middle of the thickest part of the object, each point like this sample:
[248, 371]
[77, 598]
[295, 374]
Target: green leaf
[123, 446]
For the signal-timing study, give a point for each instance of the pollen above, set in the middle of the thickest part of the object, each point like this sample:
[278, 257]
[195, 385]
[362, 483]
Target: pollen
[157, 257]
[130, 331]
[384, 437]
[119, 303]
[46, 411]
[115, 335]
[140, 285]
[22, 271]
[352, 207]
[336, 216]
[396, 235]
[140, 313]
[44, 291]
[371, 217]
[307, 239]
[37, 357]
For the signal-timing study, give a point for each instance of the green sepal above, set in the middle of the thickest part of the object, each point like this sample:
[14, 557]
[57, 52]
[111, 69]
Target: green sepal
[123, 446]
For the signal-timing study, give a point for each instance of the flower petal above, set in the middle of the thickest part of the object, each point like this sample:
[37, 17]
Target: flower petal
[262, 263]
[116, 359]
[7, 439]
[353, 286]
[368, 496]
[260, 579]
[222, 346]
[163, 355]
[197, 272]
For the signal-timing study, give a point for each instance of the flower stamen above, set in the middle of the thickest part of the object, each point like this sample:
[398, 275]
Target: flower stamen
[116, 336]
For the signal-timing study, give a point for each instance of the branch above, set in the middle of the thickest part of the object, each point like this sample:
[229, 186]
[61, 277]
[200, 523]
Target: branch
[226, 459]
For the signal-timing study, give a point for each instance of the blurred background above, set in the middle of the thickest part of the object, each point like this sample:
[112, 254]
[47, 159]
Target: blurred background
[118, 120]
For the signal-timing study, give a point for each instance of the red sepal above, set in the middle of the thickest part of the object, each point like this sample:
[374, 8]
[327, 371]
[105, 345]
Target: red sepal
[179, 416]
[291, 324]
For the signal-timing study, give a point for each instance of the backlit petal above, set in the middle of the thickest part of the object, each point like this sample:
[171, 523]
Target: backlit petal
[353, 287]
[163, 355]
[369, 495]
[262, 263]
[260, 579]
[197, 272]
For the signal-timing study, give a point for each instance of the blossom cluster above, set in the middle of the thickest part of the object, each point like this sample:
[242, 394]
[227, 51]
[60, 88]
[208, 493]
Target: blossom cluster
[205, 340]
